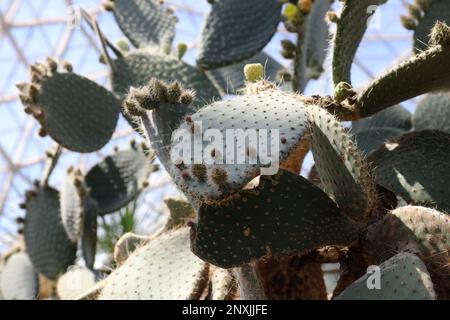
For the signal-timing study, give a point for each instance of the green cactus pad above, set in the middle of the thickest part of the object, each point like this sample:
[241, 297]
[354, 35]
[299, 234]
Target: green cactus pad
[223, 284]
[316, 38]
[420, 230]
[342, 169]
[395, 117]
[76, 112]
[89, 235]
[126, 245]
[119, 178]
[72, 198]
[180, 212]
[18, 280]
[426, 226]
[436, 10]
[139, 66]
[403, 277]
[416, 167]
[261, 113]
[433, 112]
[351, 27]
[163, 269]
[371, 139]
[284, 214]
[231, 78]
[236, 30]
[145, 22]
[407, 80]
[75, 282]
[47, 243]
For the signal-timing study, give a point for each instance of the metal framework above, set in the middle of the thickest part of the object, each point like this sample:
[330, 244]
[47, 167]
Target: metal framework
[30, 30]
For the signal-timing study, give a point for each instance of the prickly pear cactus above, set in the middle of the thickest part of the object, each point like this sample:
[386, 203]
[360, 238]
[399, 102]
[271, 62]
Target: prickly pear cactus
[233, 133]
[75, 111]
[248, 220]
[74, 282]
[137, 17]
[72, 201]
[19, 280]
[236, 30]
[163, 269]
[416, 167]
[433, 112]
[120, 177]
[276, 118]
[52, 251]
[403, 277]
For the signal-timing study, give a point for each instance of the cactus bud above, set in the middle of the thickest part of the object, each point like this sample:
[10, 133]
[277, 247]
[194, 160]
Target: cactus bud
[181, 49]
[332, 17]
[219, 176]
[199, 171]
[305, 6]
[342, 91]
[291, 13]
[408, 22]
[173, 92]
[187, 97]
[42, 132]
[67, 66]
[440, 34]
[254, 72]
[123, 45]
[52, 64]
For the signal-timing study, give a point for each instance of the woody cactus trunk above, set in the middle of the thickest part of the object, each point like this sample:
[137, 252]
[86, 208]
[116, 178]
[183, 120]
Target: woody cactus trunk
[247, 225]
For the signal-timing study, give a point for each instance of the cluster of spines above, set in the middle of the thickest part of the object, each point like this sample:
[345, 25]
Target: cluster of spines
[153, 95]
[78, 181]
[29, 92]
[416, 12]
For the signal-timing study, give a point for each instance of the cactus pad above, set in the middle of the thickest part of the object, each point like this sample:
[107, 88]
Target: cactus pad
[317, 38]
[426, 226]
[342, 169]
[433, 112]
[120, 178]
[351, 27]
[411, 78]
[145, 22]
[434, 11]
[180, 212]
[75, 282]
[419, 230]
[223, 284]
[415, 166]
[231, 78]
[89, 235]
[72, 198]
[139, 66]
[18, 280]
[163, 269]
[395, 117]
[226, 168]
[270, 219]
[371, 139]
[403, 277]
[76, 112]
[51, 251]
[236, 30]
